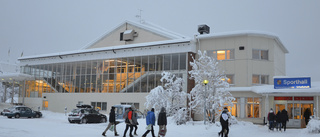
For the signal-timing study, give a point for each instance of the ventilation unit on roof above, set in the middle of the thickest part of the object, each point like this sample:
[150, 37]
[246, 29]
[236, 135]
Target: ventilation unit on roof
[128, 35]
[203, 29]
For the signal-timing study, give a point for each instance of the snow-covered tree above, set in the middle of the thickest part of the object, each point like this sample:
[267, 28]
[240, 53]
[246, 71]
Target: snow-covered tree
[215, 97]
[170, 95]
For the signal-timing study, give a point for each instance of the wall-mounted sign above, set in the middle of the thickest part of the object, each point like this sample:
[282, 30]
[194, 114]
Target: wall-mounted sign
[300, 82]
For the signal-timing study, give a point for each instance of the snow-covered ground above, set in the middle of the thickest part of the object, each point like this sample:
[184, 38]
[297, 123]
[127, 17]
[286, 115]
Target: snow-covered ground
[56, 125]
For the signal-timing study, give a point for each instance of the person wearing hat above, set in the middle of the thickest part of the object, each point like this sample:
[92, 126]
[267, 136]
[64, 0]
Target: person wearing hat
[224, 120]
[271, 118]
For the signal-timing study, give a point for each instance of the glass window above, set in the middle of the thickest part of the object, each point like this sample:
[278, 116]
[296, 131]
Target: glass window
[260, 54]
[234, 108]
[260, 79]
[230, 79]
[253, 107]
[221, 54]
[255, 79]
[175, 61]
[183, 61]
[167, 62]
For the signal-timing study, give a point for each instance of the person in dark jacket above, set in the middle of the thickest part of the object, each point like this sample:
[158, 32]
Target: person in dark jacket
[307, 115]
[135, 121]
[271, 118]
[151, 119]
[224, 120]
[162, 122]
[112, 121]
[278, 120]
[128, 121]
[284, 118]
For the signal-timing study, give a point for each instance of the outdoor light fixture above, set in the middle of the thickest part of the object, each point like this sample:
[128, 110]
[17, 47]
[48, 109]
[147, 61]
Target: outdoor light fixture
[205, 82]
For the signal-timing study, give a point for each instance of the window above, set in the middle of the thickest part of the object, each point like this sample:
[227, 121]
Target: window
[230, 79]
[253, 107]
[260, 54]
[221, 54]
[100, 105]
[234, 108]
[260, 79]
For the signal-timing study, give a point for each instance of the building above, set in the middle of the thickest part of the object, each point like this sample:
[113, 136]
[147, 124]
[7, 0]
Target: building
[123, 65]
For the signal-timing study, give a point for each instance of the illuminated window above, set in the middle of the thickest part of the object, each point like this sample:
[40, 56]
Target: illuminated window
[221, 54]
[234, 108]
[260, 79]
[253, 107]
[260, 54]
[230, 79]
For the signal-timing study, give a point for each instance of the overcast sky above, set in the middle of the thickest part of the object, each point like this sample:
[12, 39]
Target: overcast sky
[41, 26]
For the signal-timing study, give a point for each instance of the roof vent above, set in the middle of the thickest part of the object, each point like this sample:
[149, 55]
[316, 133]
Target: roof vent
[129, 34]
[203, 29]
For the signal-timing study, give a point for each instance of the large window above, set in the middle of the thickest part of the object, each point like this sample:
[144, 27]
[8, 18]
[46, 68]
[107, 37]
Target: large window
[221, 54]
[260, 54]
[116, 75]
[234, 108]
[260, 79]
[253, 107]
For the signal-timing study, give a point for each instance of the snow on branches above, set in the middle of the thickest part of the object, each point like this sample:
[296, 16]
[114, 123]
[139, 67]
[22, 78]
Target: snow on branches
[170, 95]
[215, 96]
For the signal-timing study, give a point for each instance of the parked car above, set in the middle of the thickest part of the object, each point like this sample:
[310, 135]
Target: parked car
[22, 111]
[86, 114]
[6, 110]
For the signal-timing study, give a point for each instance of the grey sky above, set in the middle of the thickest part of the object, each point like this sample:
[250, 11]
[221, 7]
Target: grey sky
[36, 26]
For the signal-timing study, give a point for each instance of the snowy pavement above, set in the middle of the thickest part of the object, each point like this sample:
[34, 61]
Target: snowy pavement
[56, 125]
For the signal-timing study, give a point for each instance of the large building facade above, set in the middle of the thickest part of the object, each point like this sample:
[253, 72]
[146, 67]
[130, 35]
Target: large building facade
[123, 66]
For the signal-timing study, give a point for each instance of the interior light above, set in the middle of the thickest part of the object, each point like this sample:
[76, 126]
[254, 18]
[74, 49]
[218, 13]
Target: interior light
[221, 51]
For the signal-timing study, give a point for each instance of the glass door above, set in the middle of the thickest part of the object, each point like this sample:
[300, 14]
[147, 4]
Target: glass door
[304, 107]
[280, 107]
[294, 113]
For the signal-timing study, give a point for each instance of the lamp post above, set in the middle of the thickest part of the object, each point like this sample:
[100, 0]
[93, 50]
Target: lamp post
[205, 82]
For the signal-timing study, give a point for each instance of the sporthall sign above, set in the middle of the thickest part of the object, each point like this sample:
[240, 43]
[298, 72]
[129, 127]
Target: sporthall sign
[301, 82]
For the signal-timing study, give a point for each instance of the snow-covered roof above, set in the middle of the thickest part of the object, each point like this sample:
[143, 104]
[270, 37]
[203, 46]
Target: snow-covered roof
[269, 89]
[244, 32]
[148, 26]
[7, 77]
[108, 48]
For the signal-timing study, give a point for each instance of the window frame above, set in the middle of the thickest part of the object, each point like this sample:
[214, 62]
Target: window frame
[230, 55]
[260, 56]
[253, 104]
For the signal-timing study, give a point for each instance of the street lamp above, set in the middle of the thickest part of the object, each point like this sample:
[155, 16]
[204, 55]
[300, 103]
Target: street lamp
[205, 82]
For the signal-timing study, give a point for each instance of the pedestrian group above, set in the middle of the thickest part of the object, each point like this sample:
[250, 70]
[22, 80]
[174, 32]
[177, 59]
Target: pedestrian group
[131, 122]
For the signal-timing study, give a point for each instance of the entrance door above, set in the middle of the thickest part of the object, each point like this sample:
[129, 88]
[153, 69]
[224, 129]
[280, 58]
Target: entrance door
[280, 107]
[304, 107]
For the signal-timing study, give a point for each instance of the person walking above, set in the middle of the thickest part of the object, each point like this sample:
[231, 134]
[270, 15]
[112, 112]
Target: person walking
[135, 121]
[271, 118]
[162, 122]
[224, 120]
[128, 121]
[307, 115]
[284, 119]
[112, 121]
[278, 121]
[150, 120]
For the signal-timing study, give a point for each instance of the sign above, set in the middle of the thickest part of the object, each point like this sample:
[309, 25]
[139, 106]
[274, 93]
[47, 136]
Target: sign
[293, 83]
[294, 98]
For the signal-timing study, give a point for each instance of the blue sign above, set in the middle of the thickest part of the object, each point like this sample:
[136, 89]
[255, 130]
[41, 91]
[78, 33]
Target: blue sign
[301, 82]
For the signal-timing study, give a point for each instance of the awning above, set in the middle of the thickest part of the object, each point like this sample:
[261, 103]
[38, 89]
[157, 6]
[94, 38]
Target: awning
[9, 77]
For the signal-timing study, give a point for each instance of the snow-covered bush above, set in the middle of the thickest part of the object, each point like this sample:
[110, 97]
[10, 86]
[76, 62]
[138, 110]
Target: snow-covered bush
[313, 126]
[181, 116]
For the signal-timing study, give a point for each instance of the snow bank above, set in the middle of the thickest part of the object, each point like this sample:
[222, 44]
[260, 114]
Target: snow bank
[313, 126]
